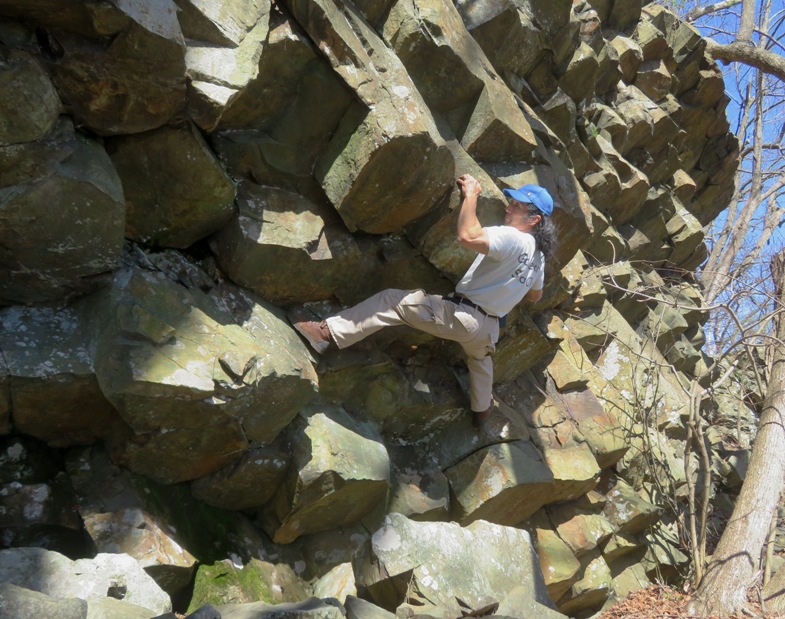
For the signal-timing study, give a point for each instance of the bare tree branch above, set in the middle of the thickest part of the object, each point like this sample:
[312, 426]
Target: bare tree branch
[700, 11]
[763, 59]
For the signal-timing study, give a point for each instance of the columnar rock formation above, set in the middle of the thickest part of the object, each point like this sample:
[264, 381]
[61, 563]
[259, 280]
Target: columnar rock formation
[176, 175]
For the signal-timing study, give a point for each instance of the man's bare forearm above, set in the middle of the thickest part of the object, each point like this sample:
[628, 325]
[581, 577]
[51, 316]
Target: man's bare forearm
[470, 232]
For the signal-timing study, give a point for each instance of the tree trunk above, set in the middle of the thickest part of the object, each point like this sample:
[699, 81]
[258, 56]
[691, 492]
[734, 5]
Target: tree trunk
[735, 563]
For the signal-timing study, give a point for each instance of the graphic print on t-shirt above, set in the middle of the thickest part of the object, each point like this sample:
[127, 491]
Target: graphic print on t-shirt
[527, 269]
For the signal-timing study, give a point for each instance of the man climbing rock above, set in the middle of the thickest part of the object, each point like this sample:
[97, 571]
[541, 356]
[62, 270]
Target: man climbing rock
[509, 267]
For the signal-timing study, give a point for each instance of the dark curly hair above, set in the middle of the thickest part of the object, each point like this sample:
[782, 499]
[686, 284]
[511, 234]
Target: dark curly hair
[545, 237]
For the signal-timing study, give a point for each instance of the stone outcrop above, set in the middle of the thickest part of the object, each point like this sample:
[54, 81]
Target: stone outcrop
[51, 253]
[58, 577]
[417, 564]
[178, 176]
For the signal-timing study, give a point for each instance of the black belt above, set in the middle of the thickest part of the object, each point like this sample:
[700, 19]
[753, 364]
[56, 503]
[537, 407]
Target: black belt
[459, 299]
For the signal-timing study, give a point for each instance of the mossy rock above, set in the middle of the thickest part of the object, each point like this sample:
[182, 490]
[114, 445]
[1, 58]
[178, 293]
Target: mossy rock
[257, 581]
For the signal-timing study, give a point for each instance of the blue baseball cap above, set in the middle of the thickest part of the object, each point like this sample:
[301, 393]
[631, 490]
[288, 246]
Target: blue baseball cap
[533, 194]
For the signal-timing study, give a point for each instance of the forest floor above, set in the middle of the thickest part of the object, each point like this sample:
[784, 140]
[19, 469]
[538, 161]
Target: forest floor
[663, 602]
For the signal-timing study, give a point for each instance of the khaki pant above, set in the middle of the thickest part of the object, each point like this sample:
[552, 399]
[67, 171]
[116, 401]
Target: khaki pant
[473, 330]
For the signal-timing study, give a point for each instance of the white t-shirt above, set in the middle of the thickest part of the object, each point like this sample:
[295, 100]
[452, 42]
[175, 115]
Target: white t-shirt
[498, 280]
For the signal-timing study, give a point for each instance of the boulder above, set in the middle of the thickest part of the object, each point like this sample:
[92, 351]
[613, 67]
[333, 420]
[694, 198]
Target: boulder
[558, 563]
[510, 37]
[664, 324]
[432, 399]
[57, 576]
[664, 558]
[647, 231]
[636, 110]
[559, 112]
[249, 482]
[381, 132]
[597, 423]
[224, 583]
[773, 591]
[578, 77]
[222, 23]
[605, 119]
[619, 545]
[29, 104]
[686, 237]
[212, 411]
[649, 35]
[450, 445]
[589, 336]
[37, 500]
[340, 472]
[390, 262]
[709, 90]
[445, 566]
[338, 583]
[357, 608]
[106, 607]
[403, 401]
[565, 374]
[581, 529]
[276, 127]
[218, 73]
[610, 246]
[733, 468]
[523, 345]
[165, 382]
[287, 248]
[53, 393]
[653, 79]
[22, 603]
[589, 293]
[551, 429]
[609, 73]
[444, 61]
[106, 81]
[319, 553]
[503, 483]
[497, 131]
[119, 518]
[419, 489]
[706, 204]
[633, 186]
[591, 590]
[51, 253]
[176, 191]
[574, 470]
[627, 511]
[630, 55]
[620, 364]
[164, 527]
[624, 15]
[629, 580]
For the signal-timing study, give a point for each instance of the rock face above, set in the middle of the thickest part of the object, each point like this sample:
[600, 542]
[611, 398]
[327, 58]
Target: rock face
[176, 176]
[52, 252]
[419, 564]
[58, 577]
